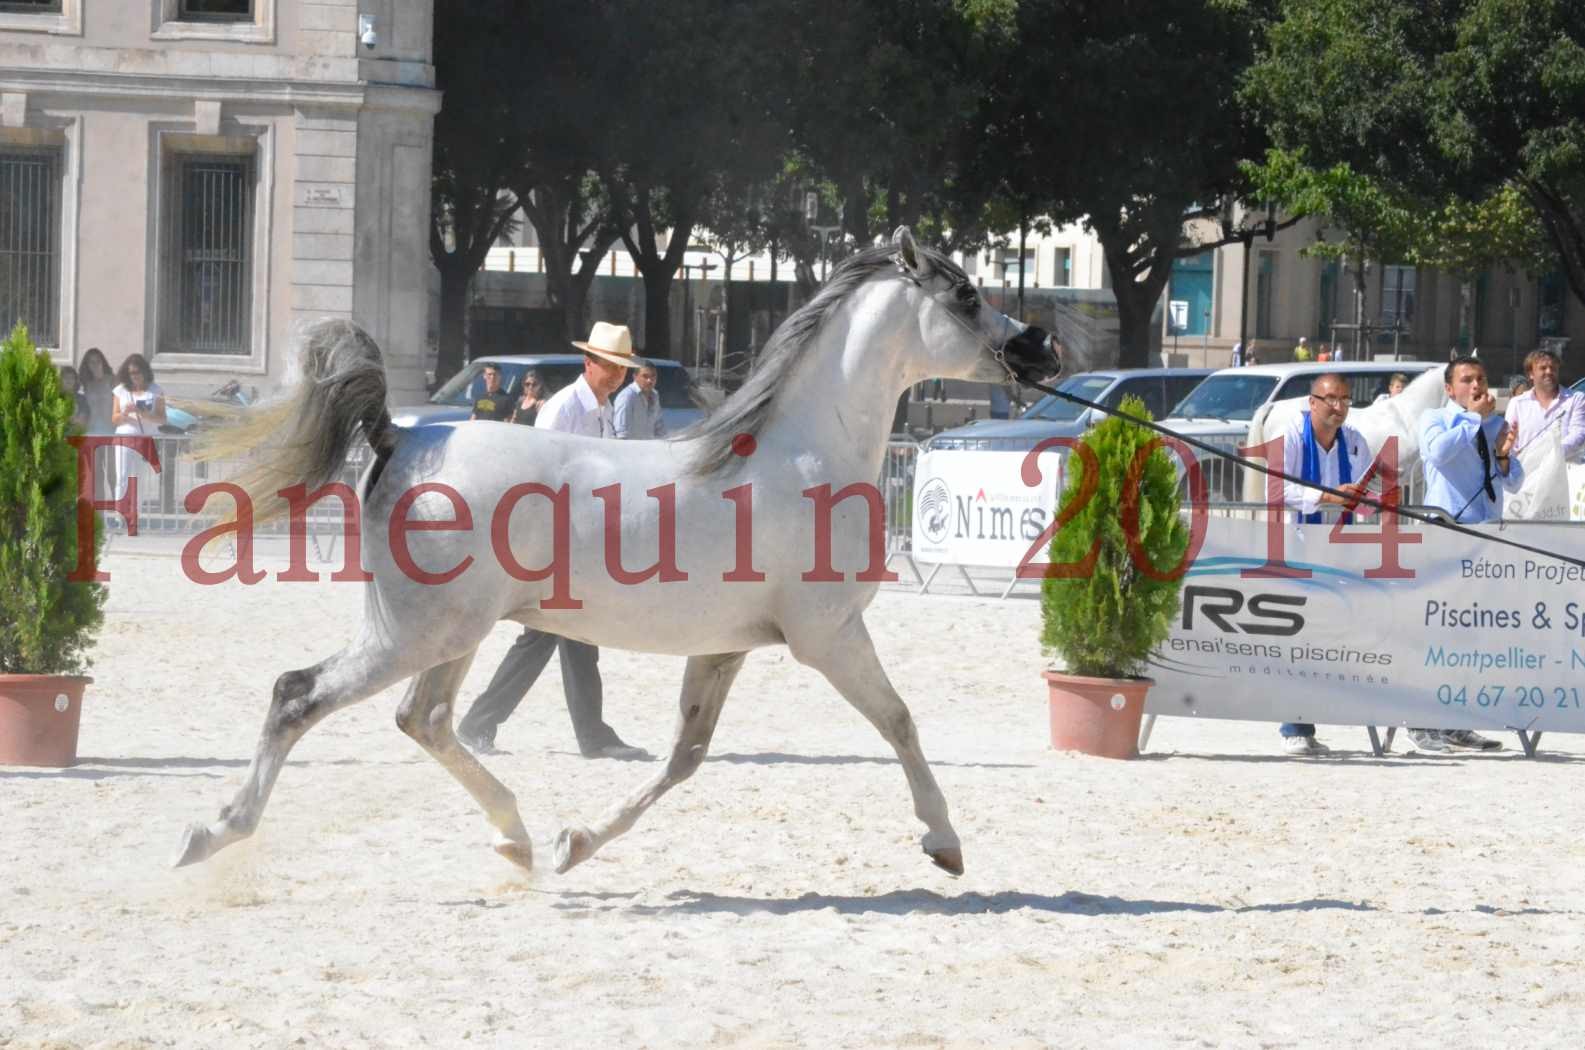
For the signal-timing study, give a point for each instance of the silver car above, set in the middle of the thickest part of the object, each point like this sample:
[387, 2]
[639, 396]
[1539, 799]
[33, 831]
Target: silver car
[1159, 388]
[453, 402]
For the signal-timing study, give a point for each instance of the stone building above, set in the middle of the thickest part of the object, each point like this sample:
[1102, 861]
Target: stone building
[189, 179]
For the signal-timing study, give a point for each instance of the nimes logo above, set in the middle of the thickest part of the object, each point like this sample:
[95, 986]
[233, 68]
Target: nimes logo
[935, 509]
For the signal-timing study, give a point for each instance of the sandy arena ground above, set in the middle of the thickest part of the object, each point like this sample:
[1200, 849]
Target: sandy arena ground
[1213, 894]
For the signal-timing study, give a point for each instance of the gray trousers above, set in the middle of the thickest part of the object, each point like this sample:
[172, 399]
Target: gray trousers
[580, 675]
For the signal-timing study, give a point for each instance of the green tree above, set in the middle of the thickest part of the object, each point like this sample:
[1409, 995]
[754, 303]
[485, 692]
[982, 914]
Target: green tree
[689, 91]
[1447, 99]
[1133, 127]
[1106, 618]
[887, 103]
[1363, 219]
[477, 151]
[47, 622]
[559, 113]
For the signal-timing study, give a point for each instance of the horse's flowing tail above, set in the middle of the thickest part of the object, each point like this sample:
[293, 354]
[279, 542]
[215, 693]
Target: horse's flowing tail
[304, 436]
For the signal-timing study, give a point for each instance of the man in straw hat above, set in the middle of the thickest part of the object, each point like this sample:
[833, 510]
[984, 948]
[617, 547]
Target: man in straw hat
[581, 407]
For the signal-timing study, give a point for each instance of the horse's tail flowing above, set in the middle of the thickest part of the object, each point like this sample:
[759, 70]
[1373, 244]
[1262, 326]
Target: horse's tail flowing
[304, 436]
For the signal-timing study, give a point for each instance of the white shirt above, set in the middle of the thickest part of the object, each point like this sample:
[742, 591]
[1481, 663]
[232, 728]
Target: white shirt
[144, 400]
[1301, 498]
[1567, 411]
[575, 410]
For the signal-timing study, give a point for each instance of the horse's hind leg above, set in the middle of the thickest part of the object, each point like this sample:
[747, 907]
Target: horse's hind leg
[425, 715]
[705, 682]
[300, 700]
[848, 661]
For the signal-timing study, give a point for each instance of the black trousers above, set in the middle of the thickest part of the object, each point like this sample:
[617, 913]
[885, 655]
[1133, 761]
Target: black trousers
[580, 674]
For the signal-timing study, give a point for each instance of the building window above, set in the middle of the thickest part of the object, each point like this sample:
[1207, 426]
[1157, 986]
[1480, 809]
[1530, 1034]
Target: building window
[1062, 272]
[207, 261]
[1397, 299]
[1007, 264]
[30, 242]
[214, 10]
[236, 21]
[1326, 312]
[1265, 294]
[1550, 293]
[64, 17]
[1193, 278]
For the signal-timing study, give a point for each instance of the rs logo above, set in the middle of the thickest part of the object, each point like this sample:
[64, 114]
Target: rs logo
[1268, 612]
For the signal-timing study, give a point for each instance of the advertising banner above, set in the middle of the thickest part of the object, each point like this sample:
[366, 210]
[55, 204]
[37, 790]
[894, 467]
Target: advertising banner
[979, 508]
[1422, 628]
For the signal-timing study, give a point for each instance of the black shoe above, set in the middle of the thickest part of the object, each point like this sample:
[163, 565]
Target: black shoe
[477, 744]
[1468, 740]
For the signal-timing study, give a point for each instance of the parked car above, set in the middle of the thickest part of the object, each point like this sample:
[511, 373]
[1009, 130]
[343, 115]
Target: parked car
[1219, 410]
[1159, 388]
[453, 402]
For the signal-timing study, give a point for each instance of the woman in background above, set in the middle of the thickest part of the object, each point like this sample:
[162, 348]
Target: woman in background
[532, 399]
[98, 382]
[137, 409]
[70, 384]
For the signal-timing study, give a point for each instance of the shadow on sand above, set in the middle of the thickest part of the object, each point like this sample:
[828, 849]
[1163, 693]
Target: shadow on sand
[771, 758]
[92, 768]
[928, 902]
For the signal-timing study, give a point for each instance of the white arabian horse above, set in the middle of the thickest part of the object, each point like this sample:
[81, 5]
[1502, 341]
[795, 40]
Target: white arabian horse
[1393, 417]
[752, 566]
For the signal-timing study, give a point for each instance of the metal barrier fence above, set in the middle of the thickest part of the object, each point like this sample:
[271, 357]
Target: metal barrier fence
[162, 496]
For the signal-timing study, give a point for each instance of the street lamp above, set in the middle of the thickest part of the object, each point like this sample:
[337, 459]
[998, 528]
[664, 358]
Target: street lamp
[689, 325]
[822, 230]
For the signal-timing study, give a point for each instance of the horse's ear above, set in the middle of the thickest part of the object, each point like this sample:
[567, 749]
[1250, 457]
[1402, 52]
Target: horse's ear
[909, 258]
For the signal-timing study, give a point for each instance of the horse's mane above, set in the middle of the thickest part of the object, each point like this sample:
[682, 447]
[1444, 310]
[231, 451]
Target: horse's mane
[746, 411]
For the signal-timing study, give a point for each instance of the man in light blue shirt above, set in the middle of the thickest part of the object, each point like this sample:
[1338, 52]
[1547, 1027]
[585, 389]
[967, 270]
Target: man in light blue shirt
[1467, 451]
[1467, 447]
[637, 408]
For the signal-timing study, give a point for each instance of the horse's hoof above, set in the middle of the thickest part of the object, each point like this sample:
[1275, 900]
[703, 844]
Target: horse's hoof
[573, 846]
[196, 846]
[948, 858]
[518, 852]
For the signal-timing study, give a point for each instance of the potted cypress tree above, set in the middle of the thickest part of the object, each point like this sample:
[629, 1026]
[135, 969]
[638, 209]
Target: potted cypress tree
[47, 622]
[1113, 589]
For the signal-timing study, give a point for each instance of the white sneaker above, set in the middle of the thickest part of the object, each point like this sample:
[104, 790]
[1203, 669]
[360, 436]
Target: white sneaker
[1429, 740]
[1304, 745]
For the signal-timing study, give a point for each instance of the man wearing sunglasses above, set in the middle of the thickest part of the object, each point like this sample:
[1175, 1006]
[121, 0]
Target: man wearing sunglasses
[1319, 446]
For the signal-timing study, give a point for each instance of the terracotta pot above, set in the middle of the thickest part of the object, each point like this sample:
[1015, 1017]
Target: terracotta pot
[39, 718]
[1098, 716]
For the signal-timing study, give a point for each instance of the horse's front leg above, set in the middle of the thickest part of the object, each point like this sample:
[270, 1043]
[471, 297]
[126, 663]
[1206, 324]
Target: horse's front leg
[705, 682]
[425, 715]
[847, 658]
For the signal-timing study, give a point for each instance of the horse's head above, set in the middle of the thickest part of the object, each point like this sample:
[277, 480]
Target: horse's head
[963, 337]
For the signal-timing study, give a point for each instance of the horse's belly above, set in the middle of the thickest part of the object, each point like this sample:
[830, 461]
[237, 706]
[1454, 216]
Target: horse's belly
[662, 618]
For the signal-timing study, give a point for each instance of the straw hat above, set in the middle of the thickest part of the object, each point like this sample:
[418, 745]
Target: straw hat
[613, 343]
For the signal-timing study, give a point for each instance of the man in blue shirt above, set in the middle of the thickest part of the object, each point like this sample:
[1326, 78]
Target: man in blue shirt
[1467, 447]
[1467, 451]
[637, 408]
